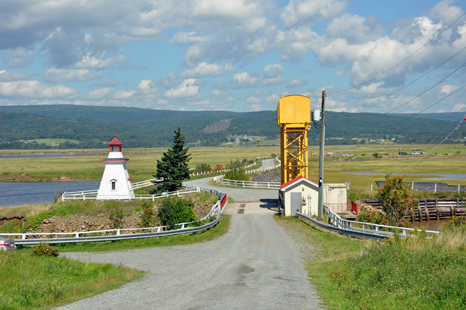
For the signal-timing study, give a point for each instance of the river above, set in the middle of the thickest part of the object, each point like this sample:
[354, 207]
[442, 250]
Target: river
[21, 193]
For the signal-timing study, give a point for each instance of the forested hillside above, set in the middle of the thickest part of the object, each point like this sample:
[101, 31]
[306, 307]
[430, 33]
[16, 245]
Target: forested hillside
[94, 126]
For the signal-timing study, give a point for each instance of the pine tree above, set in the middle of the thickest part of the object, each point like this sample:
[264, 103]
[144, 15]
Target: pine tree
[173, 167]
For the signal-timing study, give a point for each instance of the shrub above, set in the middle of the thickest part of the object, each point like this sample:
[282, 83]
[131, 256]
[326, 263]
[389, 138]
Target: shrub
[396, 199]
[236, 174]
[43, 249]
[147, 216]
[218, 167]
[116, 218]
[176, 210]
[372, 216]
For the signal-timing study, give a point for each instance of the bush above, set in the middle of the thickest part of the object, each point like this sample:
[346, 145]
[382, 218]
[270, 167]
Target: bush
[396, 199]
[236, 175]
[43, 249]
[116, 218]
[176, 210]
[372, 216]
[147, 216]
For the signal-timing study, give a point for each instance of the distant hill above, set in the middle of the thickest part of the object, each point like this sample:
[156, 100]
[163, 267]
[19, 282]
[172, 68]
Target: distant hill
[93, 126]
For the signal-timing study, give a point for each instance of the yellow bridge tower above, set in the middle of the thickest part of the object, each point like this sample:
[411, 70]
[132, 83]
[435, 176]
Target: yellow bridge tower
[293, 117]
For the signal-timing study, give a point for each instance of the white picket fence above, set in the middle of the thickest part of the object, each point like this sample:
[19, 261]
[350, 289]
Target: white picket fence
[250, 184]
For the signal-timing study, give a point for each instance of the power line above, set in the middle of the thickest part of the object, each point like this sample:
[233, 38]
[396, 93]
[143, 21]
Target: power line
[419, 95]
[413, 80]
[421, 158]
[415, 52]
[430, 105]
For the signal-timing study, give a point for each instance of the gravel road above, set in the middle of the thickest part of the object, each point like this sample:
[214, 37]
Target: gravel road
[256, 265]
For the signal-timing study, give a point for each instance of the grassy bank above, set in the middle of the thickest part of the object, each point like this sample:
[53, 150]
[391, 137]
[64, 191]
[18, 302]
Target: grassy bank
[44, 282]
[416, 273]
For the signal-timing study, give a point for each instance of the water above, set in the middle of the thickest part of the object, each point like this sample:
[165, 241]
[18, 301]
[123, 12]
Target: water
[20, 193]
[441, 176]
[47, 155]
[430, 225]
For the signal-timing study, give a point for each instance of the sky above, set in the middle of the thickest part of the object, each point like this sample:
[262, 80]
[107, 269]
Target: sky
[236, 55]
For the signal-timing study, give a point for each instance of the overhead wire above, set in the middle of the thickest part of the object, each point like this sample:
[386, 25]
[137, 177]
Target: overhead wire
[421, 158]
[402, 61]
[451, 94]
[419, 95]
[378, 99]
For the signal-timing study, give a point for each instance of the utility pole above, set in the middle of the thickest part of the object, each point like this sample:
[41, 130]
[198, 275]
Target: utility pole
[320, 210]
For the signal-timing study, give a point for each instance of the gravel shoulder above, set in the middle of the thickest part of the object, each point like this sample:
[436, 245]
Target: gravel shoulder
[256, 265]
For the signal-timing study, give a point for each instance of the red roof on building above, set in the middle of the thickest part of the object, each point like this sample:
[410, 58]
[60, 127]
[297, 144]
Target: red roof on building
[115, 142]
[295, 180]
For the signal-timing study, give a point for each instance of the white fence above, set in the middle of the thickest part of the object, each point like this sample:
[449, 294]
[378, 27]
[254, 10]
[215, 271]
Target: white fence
[92, 195]
[145, 183]
[250, 184]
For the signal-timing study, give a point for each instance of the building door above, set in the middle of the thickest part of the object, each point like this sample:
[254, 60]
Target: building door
[296, 200]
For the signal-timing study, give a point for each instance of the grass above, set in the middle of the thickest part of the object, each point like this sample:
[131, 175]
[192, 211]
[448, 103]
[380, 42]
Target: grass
[219, 230]
[321, 249]
[141, 166]
[416, 273]
[45, 282]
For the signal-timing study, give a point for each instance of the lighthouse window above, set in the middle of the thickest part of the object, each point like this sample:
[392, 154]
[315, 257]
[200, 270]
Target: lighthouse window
[113, 185]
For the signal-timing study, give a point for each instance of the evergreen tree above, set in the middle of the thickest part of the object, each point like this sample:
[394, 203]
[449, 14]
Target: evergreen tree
[173, 167]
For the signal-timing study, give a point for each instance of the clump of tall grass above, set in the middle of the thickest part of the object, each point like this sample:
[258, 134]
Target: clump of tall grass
[408, 274]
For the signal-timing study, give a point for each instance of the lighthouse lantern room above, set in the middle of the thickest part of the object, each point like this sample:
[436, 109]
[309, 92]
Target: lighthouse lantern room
[116, 183]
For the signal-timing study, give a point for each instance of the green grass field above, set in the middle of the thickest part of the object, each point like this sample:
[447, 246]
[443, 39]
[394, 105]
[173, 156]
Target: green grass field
[142, 163]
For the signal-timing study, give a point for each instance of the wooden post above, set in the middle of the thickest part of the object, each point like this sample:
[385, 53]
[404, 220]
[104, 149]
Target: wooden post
[427, 210]
[436, 208]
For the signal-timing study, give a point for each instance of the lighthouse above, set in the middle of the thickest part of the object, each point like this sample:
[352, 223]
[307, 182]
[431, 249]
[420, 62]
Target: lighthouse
[116, 183]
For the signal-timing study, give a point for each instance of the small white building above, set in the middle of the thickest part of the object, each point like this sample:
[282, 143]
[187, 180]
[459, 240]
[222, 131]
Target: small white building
[299, 195]
[115, 183]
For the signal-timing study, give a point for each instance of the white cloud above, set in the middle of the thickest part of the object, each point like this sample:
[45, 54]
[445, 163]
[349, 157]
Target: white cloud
[145, 87]
[70, 75]
[296, 82]
[273, 81]
[446, 90]
[185, 89]
[244, 80]
[272, 71]
[122, 94]
[34, 89]
[100, 93]
[273, 98]
[459, 107]
[193, 55]
[100, 62]
[218, 93]
[253, 99]
[17, 58]
[181, 38]
[354, 28]
[204, 69]
[6, 76]
[311, 11]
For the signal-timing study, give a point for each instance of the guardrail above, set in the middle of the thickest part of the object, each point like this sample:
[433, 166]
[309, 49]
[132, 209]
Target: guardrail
[362, 229]
[119, 234]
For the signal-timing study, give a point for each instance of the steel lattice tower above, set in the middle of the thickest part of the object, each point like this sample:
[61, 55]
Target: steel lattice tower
[293, 117]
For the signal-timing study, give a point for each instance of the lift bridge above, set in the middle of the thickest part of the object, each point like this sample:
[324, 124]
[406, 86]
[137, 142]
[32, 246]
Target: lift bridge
[293, 117]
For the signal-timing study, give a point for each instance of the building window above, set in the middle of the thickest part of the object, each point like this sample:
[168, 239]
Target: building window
[113, 185]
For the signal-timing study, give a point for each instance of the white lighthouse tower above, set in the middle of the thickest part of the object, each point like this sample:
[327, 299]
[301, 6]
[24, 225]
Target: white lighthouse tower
[116, 183]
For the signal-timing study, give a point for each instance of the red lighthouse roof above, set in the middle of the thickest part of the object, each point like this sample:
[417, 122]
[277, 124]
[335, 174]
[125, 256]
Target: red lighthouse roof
[115, 142]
